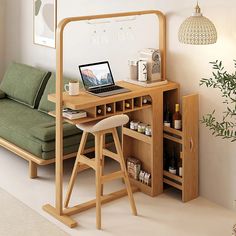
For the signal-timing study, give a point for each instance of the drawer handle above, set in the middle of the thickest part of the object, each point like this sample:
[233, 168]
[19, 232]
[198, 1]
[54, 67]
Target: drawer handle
[191, 144]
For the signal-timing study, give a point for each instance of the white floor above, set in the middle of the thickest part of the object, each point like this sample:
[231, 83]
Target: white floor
[164, 215]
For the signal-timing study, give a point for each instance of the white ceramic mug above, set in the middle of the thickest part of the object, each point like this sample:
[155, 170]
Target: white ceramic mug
[72, 88]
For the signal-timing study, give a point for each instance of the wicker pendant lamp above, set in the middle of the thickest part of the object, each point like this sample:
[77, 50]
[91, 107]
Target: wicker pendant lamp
[197, 30]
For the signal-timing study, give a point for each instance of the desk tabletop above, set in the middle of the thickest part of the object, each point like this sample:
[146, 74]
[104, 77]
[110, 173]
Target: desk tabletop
[85, 100]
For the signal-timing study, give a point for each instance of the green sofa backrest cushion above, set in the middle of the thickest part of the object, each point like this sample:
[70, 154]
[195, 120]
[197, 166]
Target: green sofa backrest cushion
[24, 84]
[45, 105]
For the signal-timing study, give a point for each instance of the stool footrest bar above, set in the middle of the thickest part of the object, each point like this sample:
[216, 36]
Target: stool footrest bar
[112, 176]
[104, 199]
[85, 160]
[110, 154]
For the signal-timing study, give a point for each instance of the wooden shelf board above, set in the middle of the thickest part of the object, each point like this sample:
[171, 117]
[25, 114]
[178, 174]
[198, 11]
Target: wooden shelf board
[173, 131]
[174, 139]
[98, 117]
[137, 135]
[143, 187]
[172, 176]
[173, 184]
[77, 121]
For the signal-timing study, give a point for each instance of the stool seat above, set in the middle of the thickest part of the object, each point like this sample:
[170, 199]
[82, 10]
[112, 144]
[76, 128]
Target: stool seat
[105, 124]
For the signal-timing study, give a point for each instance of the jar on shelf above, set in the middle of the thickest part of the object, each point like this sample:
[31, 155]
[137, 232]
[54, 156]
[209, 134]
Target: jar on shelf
[148, 130]
[134, 125]
[142, 128]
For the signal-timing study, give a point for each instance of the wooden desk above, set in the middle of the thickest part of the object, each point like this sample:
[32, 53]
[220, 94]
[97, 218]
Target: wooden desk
[148, 149]
[89, 102]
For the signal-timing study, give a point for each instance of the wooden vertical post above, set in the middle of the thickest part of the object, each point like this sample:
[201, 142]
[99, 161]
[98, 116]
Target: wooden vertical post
[162, 43]
[59, 119]
[157, 145]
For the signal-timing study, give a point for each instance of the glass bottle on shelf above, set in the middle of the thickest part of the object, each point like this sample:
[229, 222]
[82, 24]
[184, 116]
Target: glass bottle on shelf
[165, 160]
[180, 168]
[127, 105]
[146, 100]
[177, 118]
[173, 164]
[167, 116]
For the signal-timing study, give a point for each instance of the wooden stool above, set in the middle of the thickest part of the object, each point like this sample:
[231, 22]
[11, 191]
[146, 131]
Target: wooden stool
[99, 130]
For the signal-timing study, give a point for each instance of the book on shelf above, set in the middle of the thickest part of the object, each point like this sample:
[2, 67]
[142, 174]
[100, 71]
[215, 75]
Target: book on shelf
[73, 114]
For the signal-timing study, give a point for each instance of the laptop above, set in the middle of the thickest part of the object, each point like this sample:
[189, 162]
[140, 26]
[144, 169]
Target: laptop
[98, 80]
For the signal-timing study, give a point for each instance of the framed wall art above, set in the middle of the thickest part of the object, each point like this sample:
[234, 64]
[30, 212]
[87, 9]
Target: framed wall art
[45, 22]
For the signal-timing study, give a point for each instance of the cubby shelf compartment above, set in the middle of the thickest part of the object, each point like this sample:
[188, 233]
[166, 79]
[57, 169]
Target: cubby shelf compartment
[131, 104]
[149, 100]
[76, 121]
[137, 102]
[93, 117]
[145, 188]
[112, 106]
[102, 108]
[119, 106]
[134, 134]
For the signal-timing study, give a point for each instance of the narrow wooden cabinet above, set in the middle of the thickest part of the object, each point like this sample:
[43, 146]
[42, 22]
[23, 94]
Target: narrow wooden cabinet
[139, 145]
[151, 150]
[185, 142]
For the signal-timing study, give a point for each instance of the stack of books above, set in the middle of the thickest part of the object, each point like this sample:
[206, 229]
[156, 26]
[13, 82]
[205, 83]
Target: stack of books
[73, 114]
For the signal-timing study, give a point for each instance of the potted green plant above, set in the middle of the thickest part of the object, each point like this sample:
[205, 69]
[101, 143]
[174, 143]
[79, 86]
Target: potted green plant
[226, 84]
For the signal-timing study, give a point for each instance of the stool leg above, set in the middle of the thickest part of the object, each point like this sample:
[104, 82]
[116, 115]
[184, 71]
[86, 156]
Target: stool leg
[123, 168]
[103, 160]
[98, 154]
[75, 169]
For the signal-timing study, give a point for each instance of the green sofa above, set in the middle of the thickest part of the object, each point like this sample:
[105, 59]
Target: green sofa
[25, 126]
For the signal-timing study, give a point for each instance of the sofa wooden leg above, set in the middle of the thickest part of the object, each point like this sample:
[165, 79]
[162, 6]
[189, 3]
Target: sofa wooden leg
[33, 170]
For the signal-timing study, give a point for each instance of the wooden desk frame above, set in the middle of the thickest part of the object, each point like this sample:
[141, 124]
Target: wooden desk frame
[58, 212]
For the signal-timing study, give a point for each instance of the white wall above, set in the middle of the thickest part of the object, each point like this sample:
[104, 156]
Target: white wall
[186, 64]
[2, 38]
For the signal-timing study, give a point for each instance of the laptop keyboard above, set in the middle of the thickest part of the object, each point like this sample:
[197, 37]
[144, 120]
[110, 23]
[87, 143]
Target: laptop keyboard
[106, 89]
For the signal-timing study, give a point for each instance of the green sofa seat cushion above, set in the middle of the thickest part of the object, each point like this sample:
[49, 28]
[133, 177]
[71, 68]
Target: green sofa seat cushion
[24, 84]
[17, 122]
[66, 150]
[2, 94]
[45, 105]
[47, 131]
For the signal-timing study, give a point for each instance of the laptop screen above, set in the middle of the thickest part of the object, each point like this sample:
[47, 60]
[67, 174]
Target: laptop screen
[96, 75]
